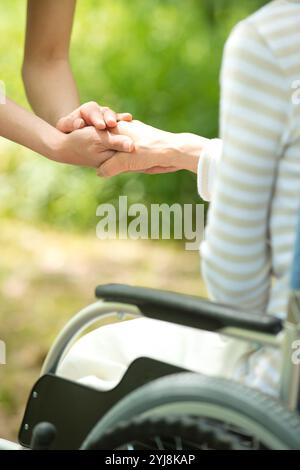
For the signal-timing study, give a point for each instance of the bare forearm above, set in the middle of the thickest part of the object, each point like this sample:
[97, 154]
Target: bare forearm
[47, 74]
[51, 89]
[86, 147]
[24, 128]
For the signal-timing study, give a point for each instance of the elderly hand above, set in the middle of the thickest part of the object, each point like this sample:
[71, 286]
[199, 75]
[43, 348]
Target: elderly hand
[91, 114]
[155, 151]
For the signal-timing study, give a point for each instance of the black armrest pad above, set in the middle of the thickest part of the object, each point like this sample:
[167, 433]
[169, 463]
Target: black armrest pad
[188, 310]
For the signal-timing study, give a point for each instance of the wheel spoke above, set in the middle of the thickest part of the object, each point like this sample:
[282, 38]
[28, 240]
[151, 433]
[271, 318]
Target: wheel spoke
[178, 443]
[159, 443]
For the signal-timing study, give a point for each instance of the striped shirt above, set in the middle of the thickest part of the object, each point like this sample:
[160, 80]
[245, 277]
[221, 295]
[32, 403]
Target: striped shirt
[255, 192]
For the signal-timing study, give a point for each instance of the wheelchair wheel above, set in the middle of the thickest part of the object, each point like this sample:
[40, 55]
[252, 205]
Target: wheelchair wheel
[191, 411]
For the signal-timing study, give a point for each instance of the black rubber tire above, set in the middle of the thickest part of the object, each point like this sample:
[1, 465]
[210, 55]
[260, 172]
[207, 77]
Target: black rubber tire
[193, 433]
[269, 417]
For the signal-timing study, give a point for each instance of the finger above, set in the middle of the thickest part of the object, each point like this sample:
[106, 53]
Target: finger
[119, 143]
[110, 117]
[114, 166]
[159, 170]
[97, 119]
[124, 117]
[78, 124]
[93, 115]
[106, 155]
[66, 124]
[124, 163]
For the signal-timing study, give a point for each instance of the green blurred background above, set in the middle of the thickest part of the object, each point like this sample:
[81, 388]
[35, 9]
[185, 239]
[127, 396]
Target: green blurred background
[158, 59]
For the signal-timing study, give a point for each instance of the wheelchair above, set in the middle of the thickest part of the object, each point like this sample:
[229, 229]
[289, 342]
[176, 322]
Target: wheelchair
[158, 406]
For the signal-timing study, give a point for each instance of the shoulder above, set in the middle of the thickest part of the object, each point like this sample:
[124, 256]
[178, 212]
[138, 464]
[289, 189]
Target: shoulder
[260, 32]
[245, 37]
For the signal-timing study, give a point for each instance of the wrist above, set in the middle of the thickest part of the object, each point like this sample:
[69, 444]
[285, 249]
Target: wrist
[57, 147]
[189, 148]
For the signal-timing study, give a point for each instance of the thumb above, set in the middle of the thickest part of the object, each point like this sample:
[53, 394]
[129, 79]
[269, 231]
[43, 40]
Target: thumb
[124, 163]
[70, 123]
[116, 165]
[119, 143]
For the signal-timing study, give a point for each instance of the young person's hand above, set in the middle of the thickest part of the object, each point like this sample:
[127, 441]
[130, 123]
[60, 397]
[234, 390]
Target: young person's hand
[86, 147]
[155, 151]
[91, 147]
[91, 114]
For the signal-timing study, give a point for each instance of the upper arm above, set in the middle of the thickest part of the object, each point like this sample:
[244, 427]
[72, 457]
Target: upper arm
[236, 254]
[49, 27]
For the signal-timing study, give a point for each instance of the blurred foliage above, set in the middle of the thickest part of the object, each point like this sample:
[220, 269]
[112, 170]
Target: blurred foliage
[47, 275]
[158, 59]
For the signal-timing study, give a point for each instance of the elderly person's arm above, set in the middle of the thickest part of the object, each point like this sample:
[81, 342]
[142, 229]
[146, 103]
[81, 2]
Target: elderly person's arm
[158, 151]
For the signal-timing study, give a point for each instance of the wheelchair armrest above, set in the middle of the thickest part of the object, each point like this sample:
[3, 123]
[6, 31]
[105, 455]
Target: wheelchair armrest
[188, 310]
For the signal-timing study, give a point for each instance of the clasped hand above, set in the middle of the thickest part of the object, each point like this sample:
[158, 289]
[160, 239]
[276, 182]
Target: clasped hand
[114, 144]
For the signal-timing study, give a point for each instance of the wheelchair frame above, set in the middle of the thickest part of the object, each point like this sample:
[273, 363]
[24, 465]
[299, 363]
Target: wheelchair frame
[250, 327]
[125, 302]
[276, 335]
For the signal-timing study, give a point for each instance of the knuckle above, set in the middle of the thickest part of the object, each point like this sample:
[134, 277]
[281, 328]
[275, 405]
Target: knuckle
[60, 124]
[69, 120]
[90, 104]
[94, 135]
[110, 139]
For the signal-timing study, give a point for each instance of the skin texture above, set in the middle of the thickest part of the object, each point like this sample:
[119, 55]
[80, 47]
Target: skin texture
[91, 114]
[86, 135]
[26, 129]
[46, 63]
[47, 66]
[156, 151]
[91, 147]
[86, 147]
